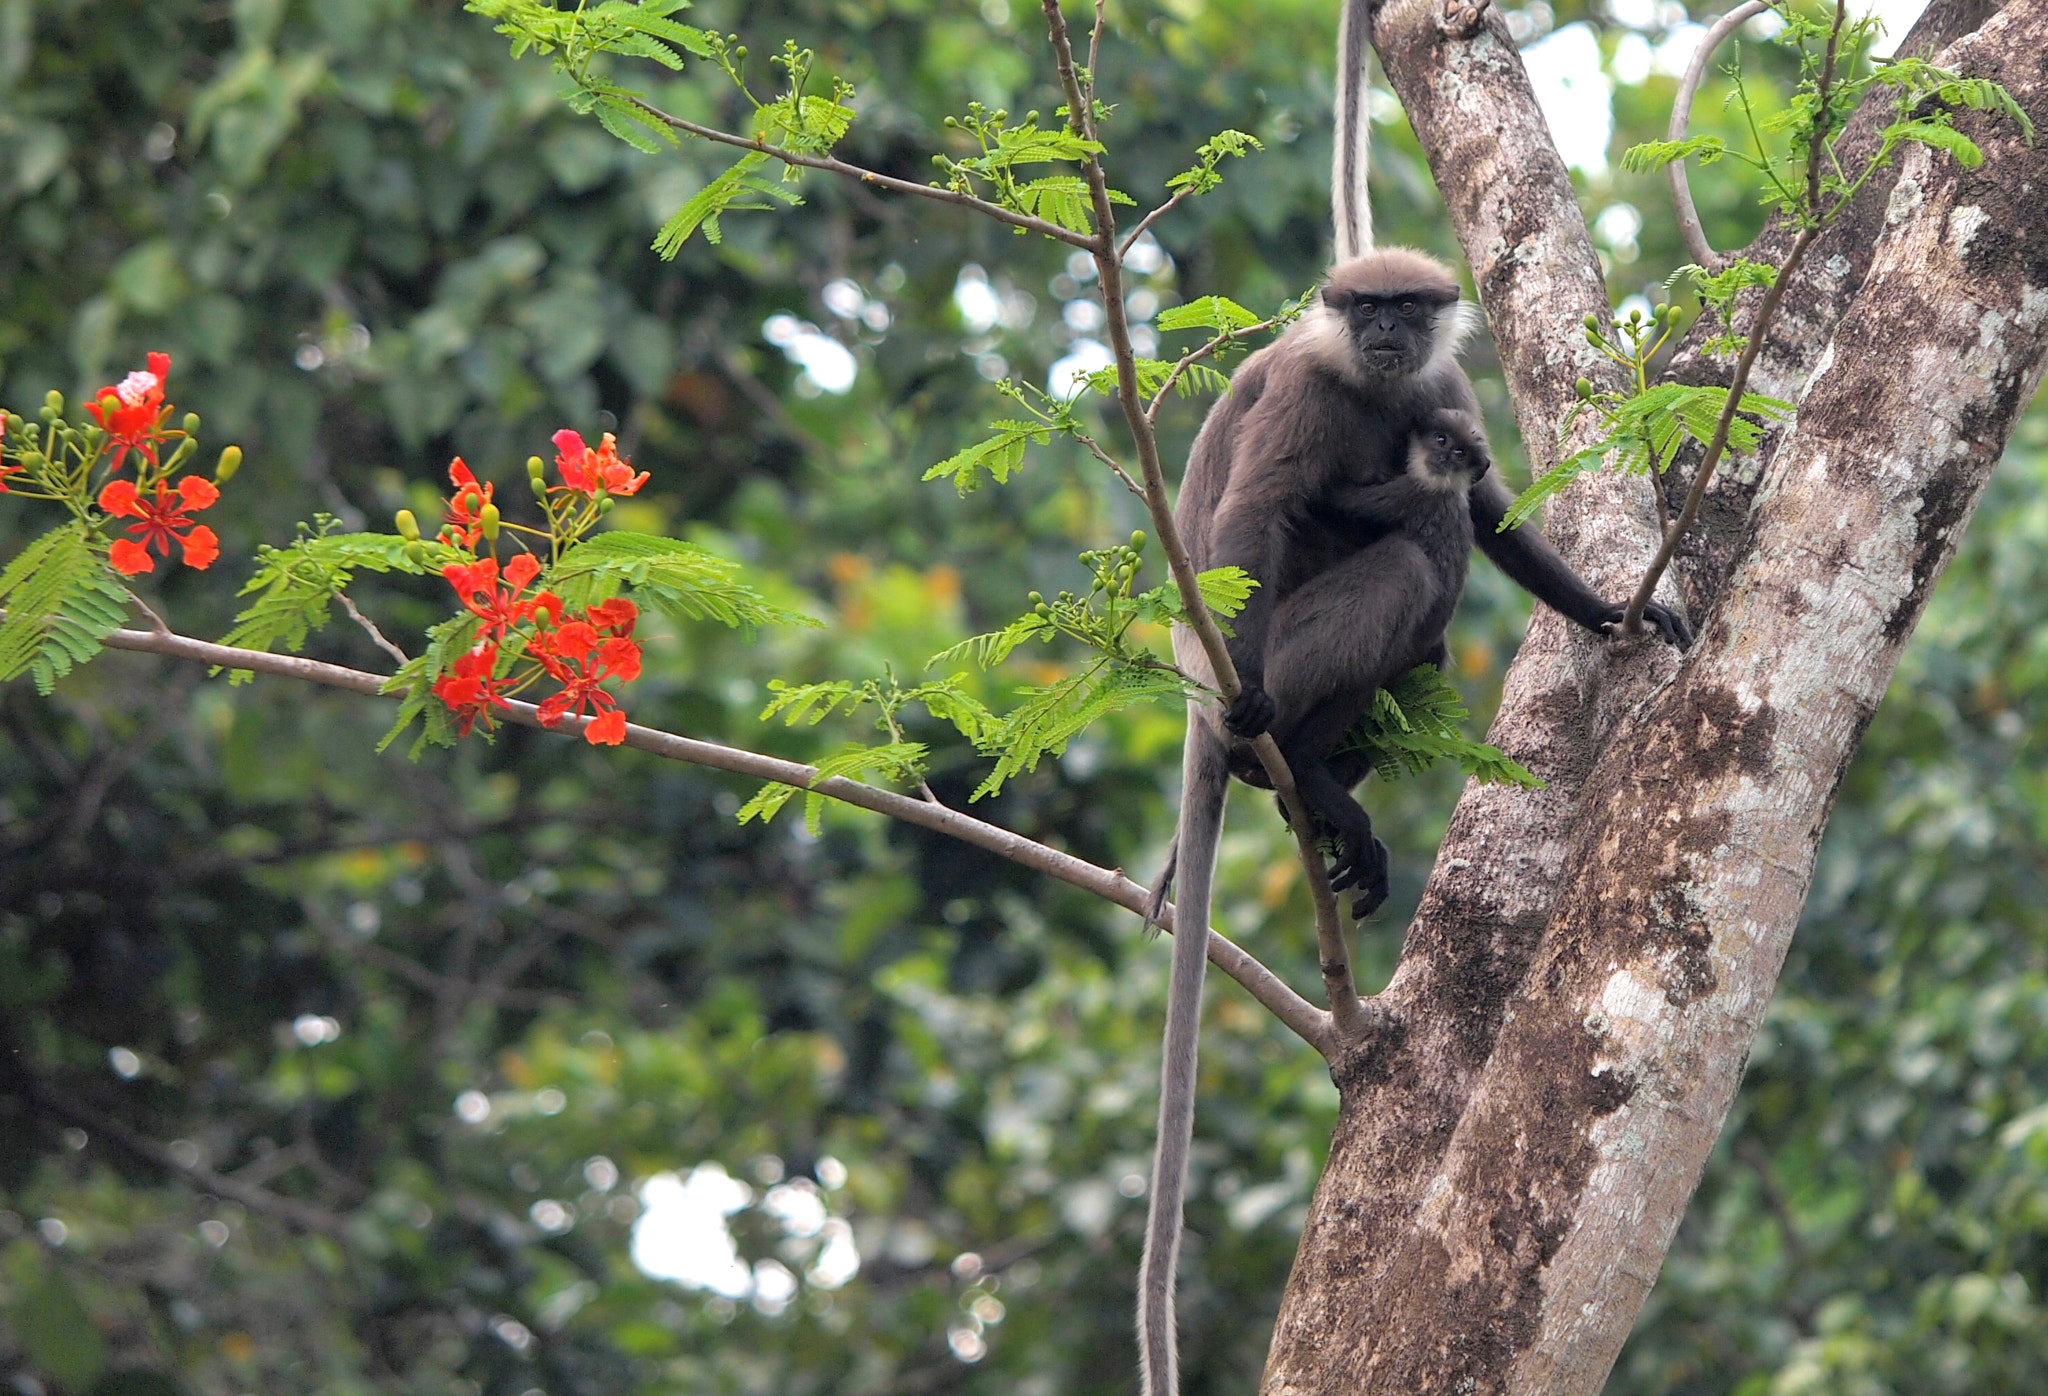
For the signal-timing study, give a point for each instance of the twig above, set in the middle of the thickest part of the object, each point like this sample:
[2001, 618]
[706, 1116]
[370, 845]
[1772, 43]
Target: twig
[370, 627]
[1189, 359]
[67, 1107]
[867, 176]
[1346, 1011]
[1095, 449]
[1144, 224]
[156, 621]
[1632, 618]
[1681, 117]
[1310, 1022]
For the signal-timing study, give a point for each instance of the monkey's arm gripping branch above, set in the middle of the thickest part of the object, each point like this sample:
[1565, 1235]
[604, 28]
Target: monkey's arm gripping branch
[1348, 1013]
[1298, 1013]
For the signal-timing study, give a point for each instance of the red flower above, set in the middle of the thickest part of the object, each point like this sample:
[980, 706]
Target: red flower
[132, 411]
[470, 690]
[587, 471]
[161, 521]
[500, 609]
[580, 657]
[465, 509]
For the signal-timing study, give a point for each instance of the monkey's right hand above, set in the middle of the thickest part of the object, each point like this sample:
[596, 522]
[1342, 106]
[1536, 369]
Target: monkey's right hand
[1251, 714]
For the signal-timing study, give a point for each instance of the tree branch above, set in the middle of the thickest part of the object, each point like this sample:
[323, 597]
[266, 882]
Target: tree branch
[1681, 117]
[1308, 1021]
[1347, 1012]
[832, 165]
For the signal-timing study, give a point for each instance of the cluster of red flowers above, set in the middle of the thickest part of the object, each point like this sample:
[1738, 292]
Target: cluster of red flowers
[587, 470]
[133, 414]
[579, 652]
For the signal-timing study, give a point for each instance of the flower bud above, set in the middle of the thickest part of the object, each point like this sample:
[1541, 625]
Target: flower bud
[230, 462]
[1592, 322]
[604, 505]
[1584, 388]
[34, 460]
[191, 424]
[416, 553]
[534, 468]
[1138, 540]
[53, 403]
[1035, 598]
[181, 455]
[488, 521]
[540, 488]
[408, 526]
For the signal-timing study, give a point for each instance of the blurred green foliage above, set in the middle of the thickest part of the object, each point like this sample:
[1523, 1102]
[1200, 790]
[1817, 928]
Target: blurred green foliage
[482, 1012]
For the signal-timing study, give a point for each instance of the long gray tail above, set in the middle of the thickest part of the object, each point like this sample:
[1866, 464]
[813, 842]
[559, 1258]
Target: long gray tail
[1350, 208]
[1205, 781]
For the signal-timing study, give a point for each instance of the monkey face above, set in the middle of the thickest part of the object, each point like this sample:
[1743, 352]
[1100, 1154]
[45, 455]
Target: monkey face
[1393, 333]
[1449, 452]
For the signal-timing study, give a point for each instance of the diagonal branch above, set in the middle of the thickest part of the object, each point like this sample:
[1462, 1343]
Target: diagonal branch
[1308, 1021]
[1346, 1010]
[833, 165]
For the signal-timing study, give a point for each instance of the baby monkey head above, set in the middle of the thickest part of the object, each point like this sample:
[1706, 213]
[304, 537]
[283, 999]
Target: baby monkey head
[1399, 308]
[1449, 450]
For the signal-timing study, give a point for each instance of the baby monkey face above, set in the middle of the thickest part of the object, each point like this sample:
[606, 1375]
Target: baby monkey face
[1448, 451]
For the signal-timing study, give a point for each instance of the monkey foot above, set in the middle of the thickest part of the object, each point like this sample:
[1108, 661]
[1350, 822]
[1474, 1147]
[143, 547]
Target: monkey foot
[1251, 714]
[1364, 865]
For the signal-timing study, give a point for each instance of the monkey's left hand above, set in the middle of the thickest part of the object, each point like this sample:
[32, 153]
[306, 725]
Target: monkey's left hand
[1666, 622]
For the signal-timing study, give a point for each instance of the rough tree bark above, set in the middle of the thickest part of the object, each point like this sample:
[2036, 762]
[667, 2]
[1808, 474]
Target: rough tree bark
[1581, 986]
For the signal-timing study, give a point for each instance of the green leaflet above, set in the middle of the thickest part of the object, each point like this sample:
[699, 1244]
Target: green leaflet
[667, 575]
[738, 188]
[61, 601]
[1053, 715]
[896, 760]
[294, 586]
[1417, 722]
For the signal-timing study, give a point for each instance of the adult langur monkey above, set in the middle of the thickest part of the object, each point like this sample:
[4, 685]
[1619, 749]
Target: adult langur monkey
[1347, 600]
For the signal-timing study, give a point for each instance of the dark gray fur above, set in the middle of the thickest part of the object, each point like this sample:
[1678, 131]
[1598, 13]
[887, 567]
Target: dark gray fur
[1302, 477]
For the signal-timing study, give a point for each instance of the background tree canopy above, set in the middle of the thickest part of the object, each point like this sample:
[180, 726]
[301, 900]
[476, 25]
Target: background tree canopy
[531, 1068]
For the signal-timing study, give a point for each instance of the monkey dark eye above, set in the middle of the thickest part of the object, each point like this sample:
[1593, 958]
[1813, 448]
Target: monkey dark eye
[1407, 307]
[1441, 438]
[1368, 308]
[1458, 454]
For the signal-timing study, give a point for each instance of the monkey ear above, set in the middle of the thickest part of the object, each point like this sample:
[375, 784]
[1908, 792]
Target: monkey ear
[1335, 299]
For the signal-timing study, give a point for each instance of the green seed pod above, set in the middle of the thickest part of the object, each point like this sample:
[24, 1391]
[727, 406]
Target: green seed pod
[408, 526]
[416, 553]
[534, 468]
[488, 521]
[230, 462]
[191, 424]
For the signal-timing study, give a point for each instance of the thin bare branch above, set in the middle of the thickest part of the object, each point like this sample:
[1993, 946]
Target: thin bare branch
[1689, 226]
[1182, 364]
[1095, 449]
[1310, 1022]
[832, 165]
[370, 628]
[66, 1106]
[1347, 1012]
[1144, 224]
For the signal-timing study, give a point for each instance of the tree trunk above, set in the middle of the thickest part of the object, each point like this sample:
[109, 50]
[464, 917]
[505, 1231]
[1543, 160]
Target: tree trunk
[1581, 986]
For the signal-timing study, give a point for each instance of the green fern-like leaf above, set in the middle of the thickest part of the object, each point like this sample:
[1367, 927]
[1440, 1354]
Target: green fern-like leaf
[896, 761]
[1219, 313]
[295, 585]
[1053, 715]
[997, 458]
[738, 188]
[60, 602]
[1416, 722]
[666, 575]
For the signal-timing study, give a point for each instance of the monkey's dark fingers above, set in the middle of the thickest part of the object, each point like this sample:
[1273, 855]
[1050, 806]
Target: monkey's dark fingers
[1251, 714]
[1670, 625]
[1373, 886]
